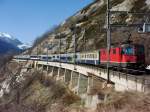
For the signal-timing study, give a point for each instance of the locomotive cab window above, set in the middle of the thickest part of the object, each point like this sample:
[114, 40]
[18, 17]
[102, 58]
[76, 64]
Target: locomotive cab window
[128, 50]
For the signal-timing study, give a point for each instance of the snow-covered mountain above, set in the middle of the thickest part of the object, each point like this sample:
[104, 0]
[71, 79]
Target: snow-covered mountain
[10, 44]
[24, 46]
[10, 39]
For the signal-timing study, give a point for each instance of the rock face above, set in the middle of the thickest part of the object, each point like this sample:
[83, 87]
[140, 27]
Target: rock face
[90, 24]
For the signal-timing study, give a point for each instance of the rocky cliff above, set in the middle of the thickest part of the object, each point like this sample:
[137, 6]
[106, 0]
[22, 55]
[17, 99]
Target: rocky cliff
[90, 28]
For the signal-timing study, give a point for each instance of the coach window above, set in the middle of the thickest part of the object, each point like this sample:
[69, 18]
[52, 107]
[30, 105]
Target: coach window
[95, 55]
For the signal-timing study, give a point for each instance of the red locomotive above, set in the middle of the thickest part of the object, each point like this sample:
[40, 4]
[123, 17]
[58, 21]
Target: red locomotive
[127, 55]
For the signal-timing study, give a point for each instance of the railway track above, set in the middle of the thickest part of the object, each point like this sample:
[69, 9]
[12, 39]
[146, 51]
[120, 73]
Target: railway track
[130, 71]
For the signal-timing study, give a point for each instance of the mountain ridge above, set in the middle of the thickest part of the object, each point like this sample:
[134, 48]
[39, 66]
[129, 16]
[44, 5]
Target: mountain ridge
[9, 44]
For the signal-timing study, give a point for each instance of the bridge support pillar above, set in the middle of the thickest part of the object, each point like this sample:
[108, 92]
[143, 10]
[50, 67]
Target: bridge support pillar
[71, 78]
[68, 77]
[47, 69]
[82, 84]
[89, 83]
[58, 74]
[39, 67]
[78, 84]
[36, 64]
[64, 76]
[55, 73]
[51, 74]
[33, 65]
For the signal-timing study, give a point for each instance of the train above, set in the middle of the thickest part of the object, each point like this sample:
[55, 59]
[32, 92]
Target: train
[126, 56]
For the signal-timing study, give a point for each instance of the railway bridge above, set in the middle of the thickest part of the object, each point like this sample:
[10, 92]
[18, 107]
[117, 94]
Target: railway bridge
[81, 78]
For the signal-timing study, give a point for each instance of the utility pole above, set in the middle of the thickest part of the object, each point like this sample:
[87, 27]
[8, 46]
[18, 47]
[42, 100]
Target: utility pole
[74, 48]
[37, 56]
[60, 50]
[47, 51]
[108, 40]
[66, 47]
[51, 47]
[37, 50]
[84, 39]
[74, 30]
[75, 45]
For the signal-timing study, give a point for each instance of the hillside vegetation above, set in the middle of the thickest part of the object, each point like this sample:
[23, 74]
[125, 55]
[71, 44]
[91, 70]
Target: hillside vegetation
[33, 91]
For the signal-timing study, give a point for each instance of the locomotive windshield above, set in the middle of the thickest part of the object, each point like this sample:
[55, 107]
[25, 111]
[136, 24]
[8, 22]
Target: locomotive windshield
[128, 50]
[133, 50]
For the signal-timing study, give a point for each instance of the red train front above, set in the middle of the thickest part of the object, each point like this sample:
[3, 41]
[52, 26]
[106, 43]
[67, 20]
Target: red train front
[127, 55]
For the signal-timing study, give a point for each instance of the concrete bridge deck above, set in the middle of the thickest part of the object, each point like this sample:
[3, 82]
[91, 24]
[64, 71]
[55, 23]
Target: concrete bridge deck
[121, 80]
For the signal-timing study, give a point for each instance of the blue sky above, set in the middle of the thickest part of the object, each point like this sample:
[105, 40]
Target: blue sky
[28, 19]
